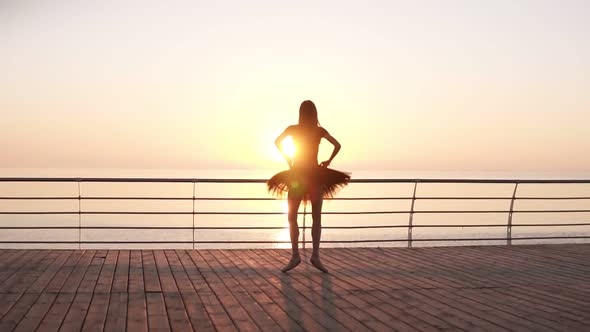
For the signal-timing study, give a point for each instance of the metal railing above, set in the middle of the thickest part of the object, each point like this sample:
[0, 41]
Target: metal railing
[509, 225]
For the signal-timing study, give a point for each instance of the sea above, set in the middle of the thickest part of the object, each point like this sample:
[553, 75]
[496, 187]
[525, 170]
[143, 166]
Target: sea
[458, 228]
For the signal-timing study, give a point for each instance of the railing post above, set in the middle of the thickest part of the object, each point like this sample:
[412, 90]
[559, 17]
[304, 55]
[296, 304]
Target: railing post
[304, 214]
[194, 198]
[509, 226]
[79, 214]
[411, 219]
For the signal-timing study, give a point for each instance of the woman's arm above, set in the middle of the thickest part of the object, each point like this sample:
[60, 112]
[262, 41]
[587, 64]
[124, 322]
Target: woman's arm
[337, 147]
[278, 143]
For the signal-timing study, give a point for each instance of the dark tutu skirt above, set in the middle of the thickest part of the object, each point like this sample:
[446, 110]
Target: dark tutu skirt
[305, 181]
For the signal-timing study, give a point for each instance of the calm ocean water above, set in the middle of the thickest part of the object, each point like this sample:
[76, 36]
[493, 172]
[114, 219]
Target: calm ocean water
[258, 190]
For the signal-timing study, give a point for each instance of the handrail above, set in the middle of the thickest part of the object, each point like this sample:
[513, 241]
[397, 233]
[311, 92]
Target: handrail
[196, 212]
[274, 199]
[221, 180]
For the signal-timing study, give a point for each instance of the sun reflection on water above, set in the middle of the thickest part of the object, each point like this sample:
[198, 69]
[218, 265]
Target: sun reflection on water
[283, 234]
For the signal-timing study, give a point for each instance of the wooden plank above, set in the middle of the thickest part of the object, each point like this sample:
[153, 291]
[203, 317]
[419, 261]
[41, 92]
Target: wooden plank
[117, 314]
[250, 305]
[44, 279]
[56, 314]
[150, 272]
[18, 311]
[23, 267]
[107, 274]
[507, 279]
[529, 310]
[64, 272]
[194, 307]
[90, 279]
[348, 272]
[175, 309]
[8, 300]
[73, 281]
[241, 275]
[474, 300]
[208, 301]
[156, 310]
[462, 317]
[136, 283]
[545, 298]
[196, 311]
[360, 307]
[121, 277]
[10, 256]
[515, 276]
[230, 304]
[167, 281]
[97, 312]
[181, 278]
[33, 271]
[76, 313]
[311, 302]
[296, 305]
[36, 312]
[284, 297]
[137, 312]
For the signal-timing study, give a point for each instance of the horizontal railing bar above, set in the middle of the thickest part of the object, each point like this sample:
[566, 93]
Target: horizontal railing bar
[40, 198]
[502, 239]
[551, 198]
[550, 237]
[501, 225]
[499, 198]
[190, 242]
[499, 211]
[212, 180]
[277, 242]
[184, 213]
[96, 227]
[225, 213]
[300, 227]
[551, 225]
[286, 227]
[198, 228]
[284, 199]
[38, 212]
[245, 198]
[329, 241]
[98, 242]
[457, 225]
[550, 211]
[282, 213]
[275, 199]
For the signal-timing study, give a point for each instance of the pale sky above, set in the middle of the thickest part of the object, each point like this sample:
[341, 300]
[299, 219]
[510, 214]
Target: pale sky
[403, 85]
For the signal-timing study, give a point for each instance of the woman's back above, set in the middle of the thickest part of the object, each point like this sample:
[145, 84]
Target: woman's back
[307, 141]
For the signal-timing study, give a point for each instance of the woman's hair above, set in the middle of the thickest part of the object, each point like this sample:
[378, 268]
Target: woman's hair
[308, 114]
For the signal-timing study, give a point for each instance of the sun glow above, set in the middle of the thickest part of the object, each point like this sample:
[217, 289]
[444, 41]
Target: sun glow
[289, 147]
[283, 235]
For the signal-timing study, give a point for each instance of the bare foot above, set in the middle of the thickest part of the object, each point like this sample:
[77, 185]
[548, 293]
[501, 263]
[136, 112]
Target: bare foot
[295, 260]
[315, 261]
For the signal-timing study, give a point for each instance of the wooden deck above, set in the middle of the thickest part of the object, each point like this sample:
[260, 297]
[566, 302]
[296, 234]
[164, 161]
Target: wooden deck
[492, 288]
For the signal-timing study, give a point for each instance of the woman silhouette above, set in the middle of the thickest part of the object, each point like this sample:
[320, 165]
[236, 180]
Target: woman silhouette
[306, 180]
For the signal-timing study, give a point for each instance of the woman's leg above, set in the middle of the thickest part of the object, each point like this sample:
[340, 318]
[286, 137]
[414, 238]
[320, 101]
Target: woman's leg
[294, 201]
[316, 227]
[316, 230]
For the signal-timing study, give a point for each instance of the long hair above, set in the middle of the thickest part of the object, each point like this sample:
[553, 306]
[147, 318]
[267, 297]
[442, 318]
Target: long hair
[308, 114]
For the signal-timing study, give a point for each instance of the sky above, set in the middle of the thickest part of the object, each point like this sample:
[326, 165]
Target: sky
[403, 85]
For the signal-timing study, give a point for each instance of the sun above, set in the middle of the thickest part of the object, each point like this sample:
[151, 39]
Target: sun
[289, 147]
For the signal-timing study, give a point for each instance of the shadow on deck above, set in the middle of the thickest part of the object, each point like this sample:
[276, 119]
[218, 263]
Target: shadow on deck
[494, 288]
